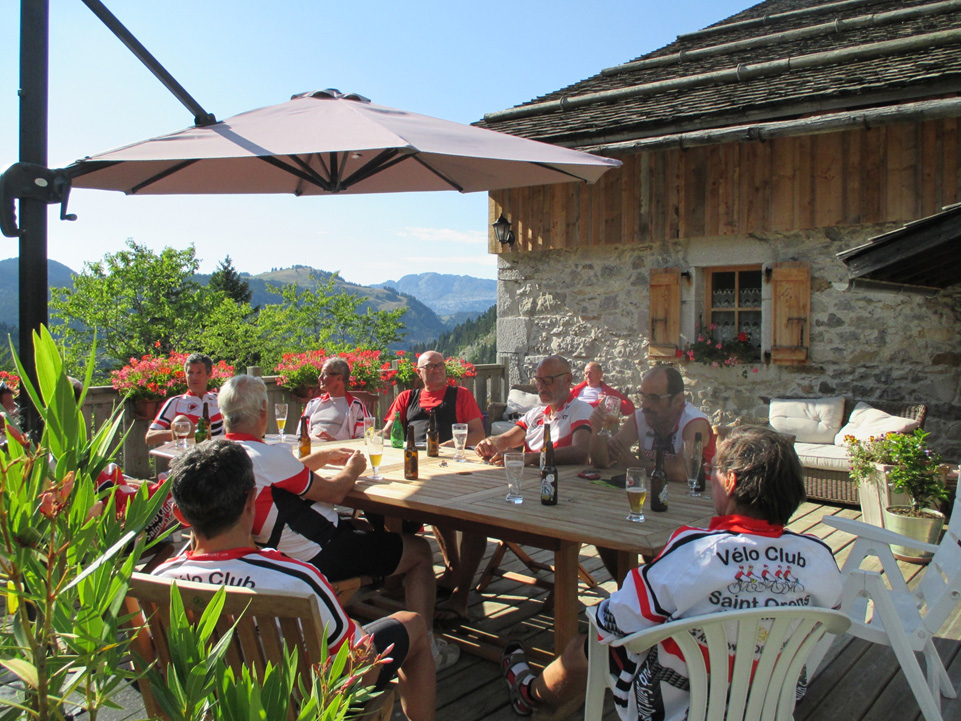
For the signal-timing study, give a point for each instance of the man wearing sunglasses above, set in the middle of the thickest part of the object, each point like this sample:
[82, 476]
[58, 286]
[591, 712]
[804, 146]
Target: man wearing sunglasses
[568, 417]
[336, 415]
[664, 419]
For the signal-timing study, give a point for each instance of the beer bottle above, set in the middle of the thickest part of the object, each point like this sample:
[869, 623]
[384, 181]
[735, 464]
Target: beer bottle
[658, 479]
[410, 456]
[304, 437]
[433, 435]
[203, 426]
[699, 454]
[397, 432]
[549, 471]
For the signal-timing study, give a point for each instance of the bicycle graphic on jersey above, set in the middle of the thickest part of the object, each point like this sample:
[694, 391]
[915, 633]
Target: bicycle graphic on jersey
[779, 582]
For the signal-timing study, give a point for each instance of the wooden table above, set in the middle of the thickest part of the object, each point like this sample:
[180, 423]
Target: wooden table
[470, 497]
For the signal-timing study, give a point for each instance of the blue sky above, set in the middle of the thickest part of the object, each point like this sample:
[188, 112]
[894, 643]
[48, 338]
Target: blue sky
[454, 60]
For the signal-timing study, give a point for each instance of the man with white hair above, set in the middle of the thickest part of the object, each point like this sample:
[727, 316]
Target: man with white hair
[296, 515]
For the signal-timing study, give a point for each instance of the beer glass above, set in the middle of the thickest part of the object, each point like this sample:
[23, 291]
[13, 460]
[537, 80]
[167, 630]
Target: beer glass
[280, 414]
[375, 452]
[460, 441]
[514, 468]
[635, 483]
[612, 411]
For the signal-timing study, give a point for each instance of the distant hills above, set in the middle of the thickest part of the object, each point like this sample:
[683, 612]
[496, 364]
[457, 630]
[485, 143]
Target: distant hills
[448, 295]
[435, 302]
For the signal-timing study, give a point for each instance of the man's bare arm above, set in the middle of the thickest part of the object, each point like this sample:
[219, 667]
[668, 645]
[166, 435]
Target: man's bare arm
[155, 437]
[607, 452]
[493, 448]
[336, 488]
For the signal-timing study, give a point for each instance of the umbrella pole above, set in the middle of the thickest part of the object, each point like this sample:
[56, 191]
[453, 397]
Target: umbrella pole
[34, 59]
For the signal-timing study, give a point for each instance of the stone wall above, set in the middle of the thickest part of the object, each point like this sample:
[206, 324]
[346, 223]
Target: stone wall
[592, 304]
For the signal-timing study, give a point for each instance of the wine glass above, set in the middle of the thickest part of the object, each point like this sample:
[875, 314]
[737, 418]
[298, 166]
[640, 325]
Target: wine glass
[280, 413]
[181, 428]
[375, 452]
[459, 431]
[635, 483]
[693, 460]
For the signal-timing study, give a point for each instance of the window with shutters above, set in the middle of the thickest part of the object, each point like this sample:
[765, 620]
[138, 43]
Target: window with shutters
[770, 305]
[732, 304]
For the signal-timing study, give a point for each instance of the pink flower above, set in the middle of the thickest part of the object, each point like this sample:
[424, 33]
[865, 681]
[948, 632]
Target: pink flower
[754, 370]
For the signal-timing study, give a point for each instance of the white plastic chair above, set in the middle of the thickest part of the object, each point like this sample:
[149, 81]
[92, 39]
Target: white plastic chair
[740, 691]
[905, 620]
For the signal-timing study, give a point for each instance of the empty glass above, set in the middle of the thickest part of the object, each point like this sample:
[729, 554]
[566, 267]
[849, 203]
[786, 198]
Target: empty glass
[635, 483]
[693, 459]
[460, 441]
[280, 414]
[181, 428]
[514, 468]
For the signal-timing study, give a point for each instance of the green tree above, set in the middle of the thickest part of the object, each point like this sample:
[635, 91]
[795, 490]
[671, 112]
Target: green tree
[323, 318]
[229, 281]
[136, 301]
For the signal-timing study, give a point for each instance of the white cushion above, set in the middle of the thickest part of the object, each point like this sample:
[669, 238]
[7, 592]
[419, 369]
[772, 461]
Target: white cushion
[498, 427]
[824, 456]
[866, 422]
[810, 420]
[519, 402]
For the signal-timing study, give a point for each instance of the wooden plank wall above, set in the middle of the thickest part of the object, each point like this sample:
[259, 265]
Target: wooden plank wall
[890, 173]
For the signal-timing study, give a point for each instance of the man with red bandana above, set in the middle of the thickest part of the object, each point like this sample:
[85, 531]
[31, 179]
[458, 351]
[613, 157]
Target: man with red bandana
[198, 368]
[568, 417]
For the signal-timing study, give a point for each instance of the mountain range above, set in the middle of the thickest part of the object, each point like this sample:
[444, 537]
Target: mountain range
[435, 302]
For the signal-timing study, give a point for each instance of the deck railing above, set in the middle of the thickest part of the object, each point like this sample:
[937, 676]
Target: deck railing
[134, 458]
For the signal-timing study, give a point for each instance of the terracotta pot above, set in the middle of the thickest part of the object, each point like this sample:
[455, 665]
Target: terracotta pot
[876, 494]
[926, 529]
[144, 410]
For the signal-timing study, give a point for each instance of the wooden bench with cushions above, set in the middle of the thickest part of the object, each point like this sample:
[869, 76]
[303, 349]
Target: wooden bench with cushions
[819, 429]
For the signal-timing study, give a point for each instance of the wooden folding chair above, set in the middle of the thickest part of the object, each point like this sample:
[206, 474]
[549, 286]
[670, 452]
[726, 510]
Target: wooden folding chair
[493, 569]
[266, 621]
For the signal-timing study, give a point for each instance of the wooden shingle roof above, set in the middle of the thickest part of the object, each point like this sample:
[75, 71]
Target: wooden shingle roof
[776, 61]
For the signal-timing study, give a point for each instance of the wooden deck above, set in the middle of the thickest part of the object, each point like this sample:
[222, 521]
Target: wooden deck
[858, 681]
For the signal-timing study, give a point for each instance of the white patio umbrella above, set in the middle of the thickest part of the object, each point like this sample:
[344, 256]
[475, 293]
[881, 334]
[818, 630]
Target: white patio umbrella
[324, 143]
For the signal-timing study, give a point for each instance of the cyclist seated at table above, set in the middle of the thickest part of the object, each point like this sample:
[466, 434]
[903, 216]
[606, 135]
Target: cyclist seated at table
[214, 490]
[756, 485]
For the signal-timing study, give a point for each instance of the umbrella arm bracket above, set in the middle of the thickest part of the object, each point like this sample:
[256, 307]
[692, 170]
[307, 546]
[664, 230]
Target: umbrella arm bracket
[28, 180]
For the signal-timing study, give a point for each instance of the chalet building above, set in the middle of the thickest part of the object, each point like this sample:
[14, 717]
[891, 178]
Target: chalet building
[759, 155]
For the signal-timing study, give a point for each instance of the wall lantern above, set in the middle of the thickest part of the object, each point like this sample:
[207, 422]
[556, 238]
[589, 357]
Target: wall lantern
[503, 232]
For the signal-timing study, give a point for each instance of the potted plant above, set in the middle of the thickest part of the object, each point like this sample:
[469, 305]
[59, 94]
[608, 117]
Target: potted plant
[148, 380]
[299, 373]
[369, 375]
[458, 369]
[916, 471]
[871, 461]
[405, 371]
[711, 348]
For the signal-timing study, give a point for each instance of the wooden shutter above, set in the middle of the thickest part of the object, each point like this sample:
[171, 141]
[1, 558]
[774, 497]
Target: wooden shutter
[791, 312]
[665, 310]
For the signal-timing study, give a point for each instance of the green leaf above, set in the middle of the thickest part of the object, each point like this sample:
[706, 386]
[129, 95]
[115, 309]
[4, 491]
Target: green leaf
[23, 669]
